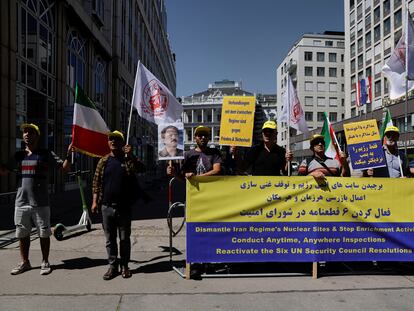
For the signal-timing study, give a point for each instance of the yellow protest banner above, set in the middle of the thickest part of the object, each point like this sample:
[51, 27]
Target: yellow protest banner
[258, 218]
[237, 119]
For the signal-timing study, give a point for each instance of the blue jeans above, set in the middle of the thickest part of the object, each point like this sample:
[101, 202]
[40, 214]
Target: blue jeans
[117, 221]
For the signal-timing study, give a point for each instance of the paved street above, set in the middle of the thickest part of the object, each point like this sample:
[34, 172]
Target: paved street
[79, 263]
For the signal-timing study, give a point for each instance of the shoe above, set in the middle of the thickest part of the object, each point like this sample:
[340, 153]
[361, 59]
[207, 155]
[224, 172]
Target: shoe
[45, 268]
[110, 274]
[22, 267]
[126, 273]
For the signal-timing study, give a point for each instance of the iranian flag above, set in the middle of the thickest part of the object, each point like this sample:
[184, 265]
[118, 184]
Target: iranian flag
[386, 122]
[89, 130]
[331, 144]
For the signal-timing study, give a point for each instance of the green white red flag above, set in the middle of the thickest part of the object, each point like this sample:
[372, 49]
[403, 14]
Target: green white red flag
[331, 147]
[89, 130]
[386, 122]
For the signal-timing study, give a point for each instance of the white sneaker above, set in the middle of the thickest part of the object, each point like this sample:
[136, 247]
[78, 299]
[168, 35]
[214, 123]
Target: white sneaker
[45, 268]
[21, 267]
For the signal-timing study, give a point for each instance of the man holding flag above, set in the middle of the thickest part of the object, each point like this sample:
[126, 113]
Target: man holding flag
[327, 159]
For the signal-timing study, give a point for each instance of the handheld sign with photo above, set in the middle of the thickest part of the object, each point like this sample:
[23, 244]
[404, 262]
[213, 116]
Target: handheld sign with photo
[364, 145]
[237, 119]
[171, 141]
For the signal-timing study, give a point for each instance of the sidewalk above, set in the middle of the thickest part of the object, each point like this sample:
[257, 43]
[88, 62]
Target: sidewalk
[79, 263]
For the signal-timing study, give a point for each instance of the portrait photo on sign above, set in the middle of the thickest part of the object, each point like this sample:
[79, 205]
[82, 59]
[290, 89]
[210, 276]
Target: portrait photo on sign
[171, 141]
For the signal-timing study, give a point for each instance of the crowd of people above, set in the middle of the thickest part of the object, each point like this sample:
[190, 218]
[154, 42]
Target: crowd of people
[115, 181]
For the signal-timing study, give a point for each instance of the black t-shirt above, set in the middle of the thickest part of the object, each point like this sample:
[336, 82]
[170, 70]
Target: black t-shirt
[200, 162]
[265, 163]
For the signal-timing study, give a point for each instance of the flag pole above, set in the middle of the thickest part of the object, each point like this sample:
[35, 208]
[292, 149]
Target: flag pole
[288, 119]
[408, 15]
[132, 106]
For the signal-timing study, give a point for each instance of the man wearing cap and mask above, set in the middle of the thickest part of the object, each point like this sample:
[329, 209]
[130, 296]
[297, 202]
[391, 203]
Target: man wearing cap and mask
[32, 200]
[321, 165]
[394, 158]
[201, 161]
[266, 158]
[114, 189]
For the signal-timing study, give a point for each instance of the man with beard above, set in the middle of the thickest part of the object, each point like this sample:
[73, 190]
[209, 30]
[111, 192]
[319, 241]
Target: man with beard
[266, 158]
[201, 161]
[169, 136]
[114, 189]
[32, 200]
[394, 158]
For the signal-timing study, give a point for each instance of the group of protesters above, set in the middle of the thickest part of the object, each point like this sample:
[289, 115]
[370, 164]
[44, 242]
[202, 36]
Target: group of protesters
[115, 182]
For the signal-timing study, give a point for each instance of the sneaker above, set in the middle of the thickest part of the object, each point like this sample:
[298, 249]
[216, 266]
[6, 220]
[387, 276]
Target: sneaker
[110, 274]
[45, 268]
[21, 267]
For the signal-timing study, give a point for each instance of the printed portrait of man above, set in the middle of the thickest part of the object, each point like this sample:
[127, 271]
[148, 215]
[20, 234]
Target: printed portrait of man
[170, 141]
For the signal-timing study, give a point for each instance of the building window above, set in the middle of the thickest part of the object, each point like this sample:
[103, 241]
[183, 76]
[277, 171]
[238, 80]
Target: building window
[353, 66]
[320, 56]
[100, 87]
[333, 116]
[342, 58]
[317, 42]
[377, 33]
[377, 88]
[308, 86]
[387, 26]
[386, 7]
[332, 57]
[309, 101]
[377, 15]
[368, 39]
[333, 102]
[332, 72]
[320, 71]
[309, 116]
[308, 71]
[321, 87]
[360, 61]
[321, 102]
[340, 44]
[360, 45]
[328, 43]
[332, 87]
[98, 8]
[352, 49]
[308, 56]
[321, 116]
[397, 19]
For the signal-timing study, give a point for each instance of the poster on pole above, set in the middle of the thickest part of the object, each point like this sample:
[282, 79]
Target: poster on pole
[171, 141]
[237, 120]
[364, 145]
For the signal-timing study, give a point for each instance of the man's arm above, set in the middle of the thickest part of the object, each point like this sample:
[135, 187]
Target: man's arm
[97, 185]
[215, 171]
[345, 171]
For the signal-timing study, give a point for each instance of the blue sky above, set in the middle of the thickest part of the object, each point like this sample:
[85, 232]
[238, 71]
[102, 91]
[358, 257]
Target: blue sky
[242, 40]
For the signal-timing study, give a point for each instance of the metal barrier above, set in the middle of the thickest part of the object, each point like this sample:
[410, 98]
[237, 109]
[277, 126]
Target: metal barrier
[172, 207]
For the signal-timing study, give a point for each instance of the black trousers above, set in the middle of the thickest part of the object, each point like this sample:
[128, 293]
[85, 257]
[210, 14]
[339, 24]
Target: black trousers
[117, 221]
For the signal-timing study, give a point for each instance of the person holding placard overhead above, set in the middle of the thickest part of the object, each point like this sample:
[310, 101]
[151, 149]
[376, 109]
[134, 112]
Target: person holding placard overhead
[394, 158]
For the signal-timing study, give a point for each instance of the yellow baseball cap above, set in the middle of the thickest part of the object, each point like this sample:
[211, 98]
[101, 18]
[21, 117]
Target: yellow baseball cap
[202, 129]
[269, 125]
[30, 125]
[391, 128]
[116, 134]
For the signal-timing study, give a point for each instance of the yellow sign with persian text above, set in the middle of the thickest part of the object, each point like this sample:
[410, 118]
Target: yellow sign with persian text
[237, 120]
